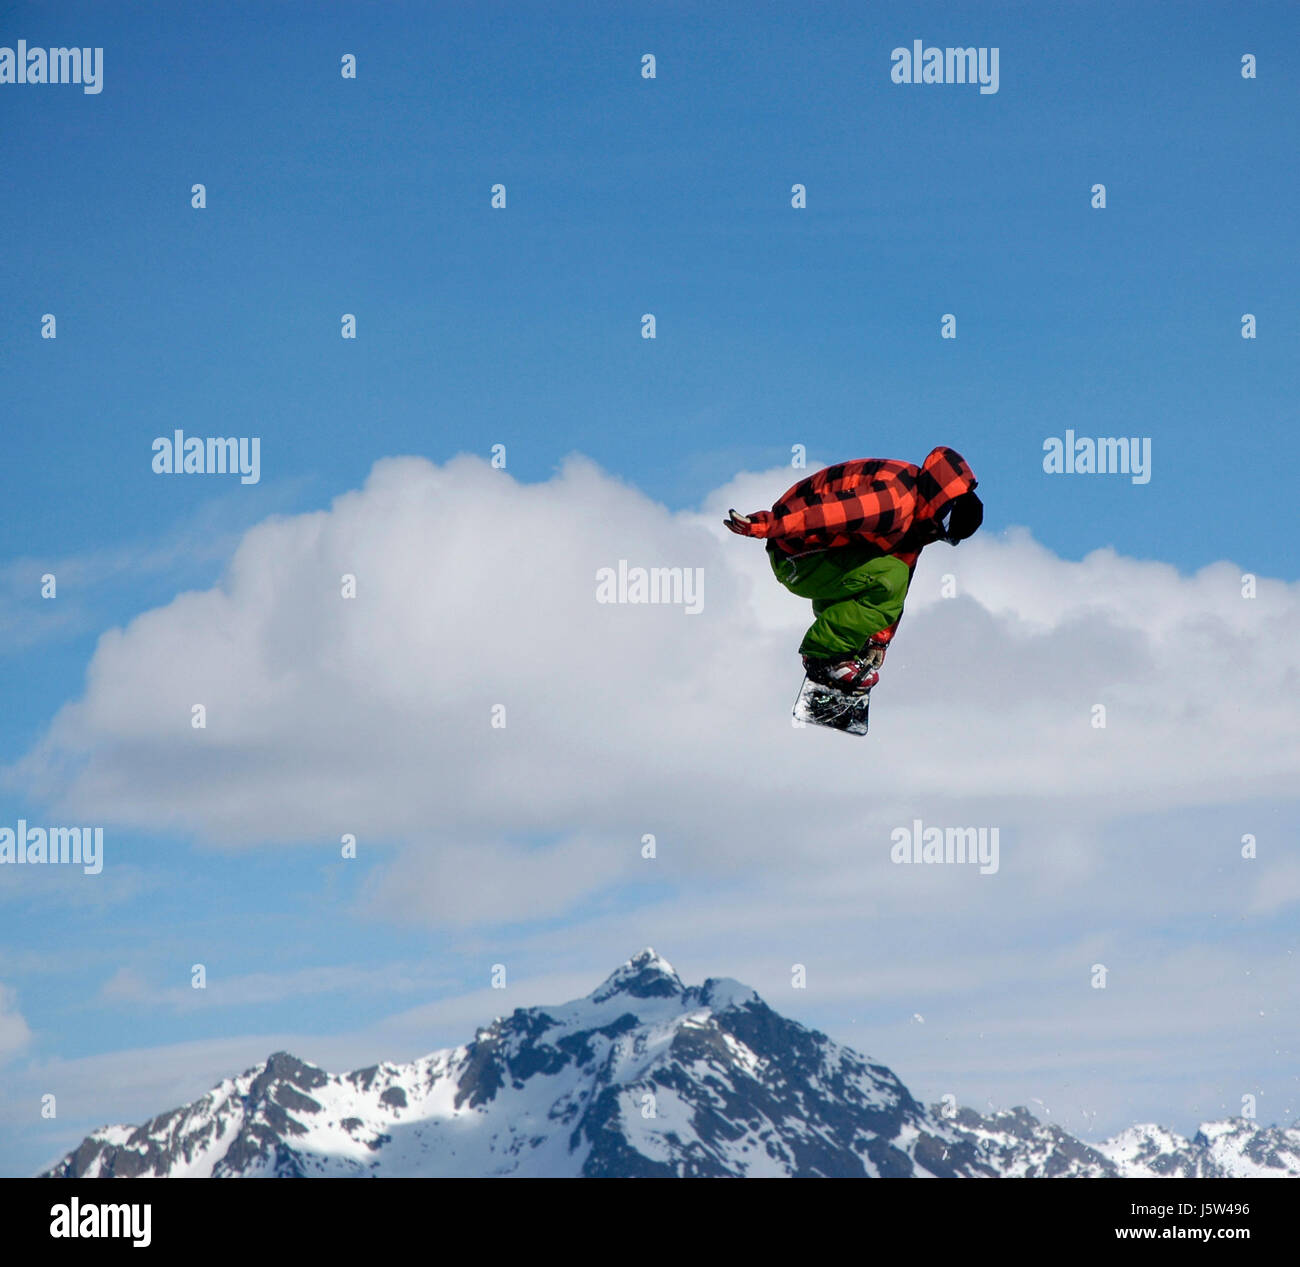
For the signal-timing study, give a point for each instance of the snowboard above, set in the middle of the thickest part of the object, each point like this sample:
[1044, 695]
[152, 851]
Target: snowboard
[823, 706]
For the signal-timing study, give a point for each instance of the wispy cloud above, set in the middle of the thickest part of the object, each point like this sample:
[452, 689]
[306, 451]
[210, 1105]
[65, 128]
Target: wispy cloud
[128, 987]
[14, 1034]
[92, 582]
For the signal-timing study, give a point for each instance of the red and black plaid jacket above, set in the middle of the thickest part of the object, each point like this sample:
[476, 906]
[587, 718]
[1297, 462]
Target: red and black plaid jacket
[878, 500]
[884, 502]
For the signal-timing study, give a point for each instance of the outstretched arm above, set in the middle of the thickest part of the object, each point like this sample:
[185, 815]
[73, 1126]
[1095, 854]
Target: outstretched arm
[822, 509]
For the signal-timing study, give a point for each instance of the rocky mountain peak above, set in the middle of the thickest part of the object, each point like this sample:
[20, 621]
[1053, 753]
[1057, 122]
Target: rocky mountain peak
[645, 976]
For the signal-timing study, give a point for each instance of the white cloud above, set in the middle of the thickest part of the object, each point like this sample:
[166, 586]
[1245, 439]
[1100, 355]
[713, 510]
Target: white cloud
[374, 715]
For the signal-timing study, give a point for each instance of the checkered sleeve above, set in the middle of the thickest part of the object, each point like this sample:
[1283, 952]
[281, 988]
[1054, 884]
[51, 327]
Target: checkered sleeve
[850, 501]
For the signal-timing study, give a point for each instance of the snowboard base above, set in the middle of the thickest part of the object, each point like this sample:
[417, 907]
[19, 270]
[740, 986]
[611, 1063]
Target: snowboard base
[822, 706]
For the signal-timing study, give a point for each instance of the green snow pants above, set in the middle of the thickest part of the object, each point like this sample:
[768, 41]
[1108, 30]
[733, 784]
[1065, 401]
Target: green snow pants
[856, 592]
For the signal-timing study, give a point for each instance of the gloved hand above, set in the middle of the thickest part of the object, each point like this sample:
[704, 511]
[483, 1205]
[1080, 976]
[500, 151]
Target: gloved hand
[757, 523]
[873, 654]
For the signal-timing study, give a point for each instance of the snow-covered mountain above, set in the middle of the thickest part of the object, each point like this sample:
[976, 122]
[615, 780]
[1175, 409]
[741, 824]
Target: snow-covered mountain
[1220, 1149]
[645, 1076]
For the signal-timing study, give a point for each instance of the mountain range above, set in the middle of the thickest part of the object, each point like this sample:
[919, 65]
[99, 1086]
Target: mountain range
[644, 1076]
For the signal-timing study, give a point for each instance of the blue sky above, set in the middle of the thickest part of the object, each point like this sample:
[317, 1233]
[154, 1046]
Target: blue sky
[521, 327]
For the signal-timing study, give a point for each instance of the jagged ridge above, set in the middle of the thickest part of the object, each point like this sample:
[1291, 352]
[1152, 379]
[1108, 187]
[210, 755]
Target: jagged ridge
[645, 1076]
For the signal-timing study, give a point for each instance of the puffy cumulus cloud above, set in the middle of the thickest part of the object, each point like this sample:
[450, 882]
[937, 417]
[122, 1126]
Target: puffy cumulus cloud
[477, 594]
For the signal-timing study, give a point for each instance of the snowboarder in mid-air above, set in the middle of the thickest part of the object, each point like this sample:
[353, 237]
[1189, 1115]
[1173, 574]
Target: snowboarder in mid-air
[848, 538]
